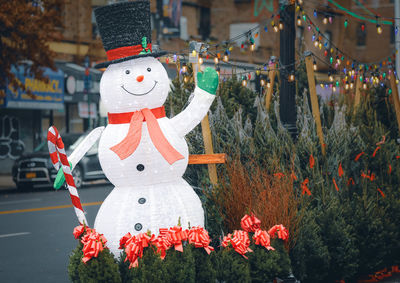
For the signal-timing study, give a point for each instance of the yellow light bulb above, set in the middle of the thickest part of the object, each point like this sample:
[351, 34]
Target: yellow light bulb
[244, 83]
[225, 58]
[379, 29]
[216, 60]
[200, 60]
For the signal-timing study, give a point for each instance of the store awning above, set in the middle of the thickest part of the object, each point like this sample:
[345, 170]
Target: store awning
[75, 83]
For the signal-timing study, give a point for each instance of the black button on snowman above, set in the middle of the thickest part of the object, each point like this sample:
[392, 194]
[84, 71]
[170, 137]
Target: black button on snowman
[133, 89]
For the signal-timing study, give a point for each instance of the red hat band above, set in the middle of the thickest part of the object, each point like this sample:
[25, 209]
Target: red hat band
[127, 51]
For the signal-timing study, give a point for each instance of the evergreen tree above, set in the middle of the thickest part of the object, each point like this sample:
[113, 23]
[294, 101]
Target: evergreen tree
[150, 269]
[74, 260]
[232, 267]
[103, 268]
[266, 265]
[205, 270]
[179, 266]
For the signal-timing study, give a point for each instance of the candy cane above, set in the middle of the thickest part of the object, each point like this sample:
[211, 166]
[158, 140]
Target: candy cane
[58, 155]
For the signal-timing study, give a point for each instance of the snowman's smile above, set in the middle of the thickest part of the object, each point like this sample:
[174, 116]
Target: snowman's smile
[140, 94]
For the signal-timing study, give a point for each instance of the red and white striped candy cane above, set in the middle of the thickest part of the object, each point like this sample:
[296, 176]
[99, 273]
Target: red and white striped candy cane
[56, 145]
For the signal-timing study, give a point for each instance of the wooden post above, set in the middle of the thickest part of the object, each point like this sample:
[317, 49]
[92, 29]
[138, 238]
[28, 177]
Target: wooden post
[395, 94]
[314, 100]
[207, 138]
[268, 97]
[357, 98]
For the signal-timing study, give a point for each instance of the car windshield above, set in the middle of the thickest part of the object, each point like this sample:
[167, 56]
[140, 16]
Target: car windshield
[76, 143]
[71, 141]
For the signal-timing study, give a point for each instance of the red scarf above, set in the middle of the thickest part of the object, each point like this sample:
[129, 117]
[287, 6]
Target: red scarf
[129, 144]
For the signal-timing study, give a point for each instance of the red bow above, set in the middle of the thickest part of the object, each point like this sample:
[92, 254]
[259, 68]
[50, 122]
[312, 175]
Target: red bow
[93, 243]
[199, 237]
[176, 235]
[262, 238]
[240, 242]
[162, 243]
[78, 230]
[134, 248]
[283, 233]
[250, 223]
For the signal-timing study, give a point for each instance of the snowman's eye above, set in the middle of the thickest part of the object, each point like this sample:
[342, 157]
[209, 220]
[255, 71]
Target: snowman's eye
[127, 72]
[148, 69]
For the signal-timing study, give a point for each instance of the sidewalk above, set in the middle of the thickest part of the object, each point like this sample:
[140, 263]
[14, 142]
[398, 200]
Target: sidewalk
[6, 182]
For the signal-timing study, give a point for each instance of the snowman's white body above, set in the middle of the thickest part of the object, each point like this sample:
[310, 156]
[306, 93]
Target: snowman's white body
[149, 193]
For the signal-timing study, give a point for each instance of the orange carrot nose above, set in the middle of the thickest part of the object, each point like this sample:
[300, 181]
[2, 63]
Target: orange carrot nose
[140, 78]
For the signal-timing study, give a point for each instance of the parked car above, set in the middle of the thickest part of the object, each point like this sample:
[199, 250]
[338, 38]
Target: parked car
[35, 169]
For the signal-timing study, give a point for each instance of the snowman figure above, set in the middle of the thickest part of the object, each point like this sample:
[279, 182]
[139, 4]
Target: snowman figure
[142, 152]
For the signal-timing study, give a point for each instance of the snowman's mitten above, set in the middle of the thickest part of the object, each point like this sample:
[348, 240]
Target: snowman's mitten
[60, 179]
[208, 80]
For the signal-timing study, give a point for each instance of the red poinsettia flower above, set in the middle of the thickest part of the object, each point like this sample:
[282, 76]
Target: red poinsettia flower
[250, 223]
[282, 232]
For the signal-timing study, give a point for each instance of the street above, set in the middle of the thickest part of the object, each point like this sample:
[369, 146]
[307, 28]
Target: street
[36, 232]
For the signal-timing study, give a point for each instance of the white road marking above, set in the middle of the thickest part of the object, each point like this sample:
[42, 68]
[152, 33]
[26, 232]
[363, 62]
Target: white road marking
[19, 201]
[14, 234]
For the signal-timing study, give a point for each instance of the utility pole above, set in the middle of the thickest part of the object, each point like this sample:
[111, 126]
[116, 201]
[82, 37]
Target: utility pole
[87, 87]
[287, 101]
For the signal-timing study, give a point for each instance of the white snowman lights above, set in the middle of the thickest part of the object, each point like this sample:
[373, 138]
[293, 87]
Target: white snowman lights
[142, 152]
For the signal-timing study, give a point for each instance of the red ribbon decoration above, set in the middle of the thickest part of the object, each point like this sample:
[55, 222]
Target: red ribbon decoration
[93, 244]
[78, 231]
[382, 193]
[305, 188]
[134, 247]
[250, 223]
[334, 182]
[282, 232]
[199, 237]
[375, 151]
[279, 175]
[162, 243]
[340, 170]
[358, 156]
[125, 240]
[176, 235]
[262, 238]
[126, 51]
[240, 242]
[312, 161]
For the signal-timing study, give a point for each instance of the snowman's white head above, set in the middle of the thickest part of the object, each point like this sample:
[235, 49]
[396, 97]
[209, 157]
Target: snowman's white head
[133, 85]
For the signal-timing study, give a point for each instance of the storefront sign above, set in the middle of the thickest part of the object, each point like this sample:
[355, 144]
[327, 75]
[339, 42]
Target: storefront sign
[84, 111]
[45, 95]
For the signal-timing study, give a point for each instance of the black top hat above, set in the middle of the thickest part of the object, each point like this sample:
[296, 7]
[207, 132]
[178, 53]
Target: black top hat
[125, 30]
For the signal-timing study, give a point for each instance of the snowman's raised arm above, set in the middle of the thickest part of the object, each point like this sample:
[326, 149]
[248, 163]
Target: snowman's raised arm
[204, 95]
[78, 154]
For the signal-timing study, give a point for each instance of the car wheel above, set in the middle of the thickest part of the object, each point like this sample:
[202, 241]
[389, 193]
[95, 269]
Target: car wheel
[78, 177]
